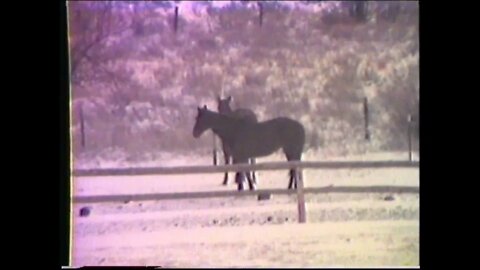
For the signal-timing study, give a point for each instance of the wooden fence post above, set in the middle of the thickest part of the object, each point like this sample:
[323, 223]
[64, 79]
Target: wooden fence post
[302, 213]
[260, 13]
[409, 131]
[365, 114]
[82, 126]
[175, 20]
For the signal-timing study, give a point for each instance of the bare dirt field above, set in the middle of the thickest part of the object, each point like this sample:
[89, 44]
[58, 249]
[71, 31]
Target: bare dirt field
[366, 229]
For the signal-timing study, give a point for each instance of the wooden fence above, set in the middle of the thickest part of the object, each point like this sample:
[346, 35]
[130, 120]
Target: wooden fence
[300, 191]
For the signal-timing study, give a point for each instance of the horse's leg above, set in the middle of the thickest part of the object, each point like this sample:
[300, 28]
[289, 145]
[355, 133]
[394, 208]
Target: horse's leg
[240, 175]
[292, 183]
[227, 161]
[251, 181]
[295, 182]
[239, 178]
[293, 172]
[252, 161]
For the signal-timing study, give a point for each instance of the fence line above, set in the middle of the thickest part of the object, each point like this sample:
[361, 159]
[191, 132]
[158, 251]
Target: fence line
[300, 191]
[246, 167]
[218, 194]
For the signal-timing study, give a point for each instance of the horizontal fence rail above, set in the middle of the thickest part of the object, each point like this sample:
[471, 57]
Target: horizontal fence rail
[247, 167]
[214, 194]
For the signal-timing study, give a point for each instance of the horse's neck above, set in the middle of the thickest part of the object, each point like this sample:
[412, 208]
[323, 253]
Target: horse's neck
[228, 110]
[223, 126]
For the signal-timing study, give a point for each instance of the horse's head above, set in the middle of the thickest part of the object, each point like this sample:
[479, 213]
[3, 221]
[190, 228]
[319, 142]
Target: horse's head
[201, 122]
[224, 105]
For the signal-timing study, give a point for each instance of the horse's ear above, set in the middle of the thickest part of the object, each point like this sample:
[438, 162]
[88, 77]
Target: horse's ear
[230, 98]
[218, 98]
[204, 107]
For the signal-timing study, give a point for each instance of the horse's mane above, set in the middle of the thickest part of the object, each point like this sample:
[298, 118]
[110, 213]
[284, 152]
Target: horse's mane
[230, 117]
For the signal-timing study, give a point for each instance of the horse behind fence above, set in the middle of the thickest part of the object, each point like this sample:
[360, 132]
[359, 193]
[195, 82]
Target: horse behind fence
[245, 114]
[247, 140]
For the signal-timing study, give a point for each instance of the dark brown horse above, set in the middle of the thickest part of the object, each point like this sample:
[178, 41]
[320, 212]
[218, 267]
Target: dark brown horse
[246, 114]
[248, 140]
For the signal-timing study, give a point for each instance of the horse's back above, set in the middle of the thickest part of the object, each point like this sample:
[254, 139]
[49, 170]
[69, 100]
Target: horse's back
[289, 129]
[286, 122]
[281, 128]
[245, 114]
[263, 138]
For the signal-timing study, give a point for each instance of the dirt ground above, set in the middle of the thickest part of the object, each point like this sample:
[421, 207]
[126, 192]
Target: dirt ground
[341, 229]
